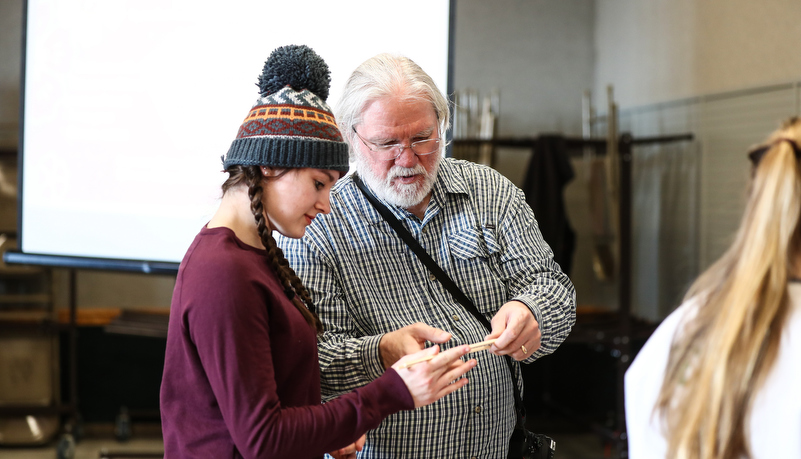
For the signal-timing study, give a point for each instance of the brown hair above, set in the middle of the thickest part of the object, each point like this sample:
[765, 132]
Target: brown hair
[293, 287]
[723, 355]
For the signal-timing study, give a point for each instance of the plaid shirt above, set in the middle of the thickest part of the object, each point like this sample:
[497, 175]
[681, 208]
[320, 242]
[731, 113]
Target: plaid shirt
[365, 282]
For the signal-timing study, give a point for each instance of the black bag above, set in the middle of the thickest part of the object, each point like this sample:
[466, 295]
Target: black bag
[523, 444]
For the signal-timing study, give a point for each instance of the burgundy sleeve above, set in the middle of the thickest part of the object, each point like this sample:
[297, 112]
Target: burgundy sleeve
[233, 342]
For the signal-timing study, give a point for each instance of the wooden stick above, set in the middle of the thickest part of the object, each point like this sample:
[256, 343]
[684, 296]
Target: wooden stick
[473, 348]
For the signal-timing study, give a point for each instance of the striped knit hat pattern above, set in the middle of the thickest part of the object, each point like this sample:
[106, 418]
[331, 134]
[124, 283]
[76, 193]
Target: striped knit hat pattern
[291, 125]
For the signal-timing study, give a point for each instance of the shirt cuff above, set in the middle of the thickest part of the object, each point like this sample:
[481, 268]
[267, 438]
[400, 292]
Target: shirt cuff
[371, 357]
[534, 307]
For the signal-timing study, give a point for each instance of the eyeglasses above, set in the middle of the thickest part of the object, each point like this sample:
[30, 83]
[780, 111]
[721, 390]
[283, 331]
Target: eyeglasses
[390, 152]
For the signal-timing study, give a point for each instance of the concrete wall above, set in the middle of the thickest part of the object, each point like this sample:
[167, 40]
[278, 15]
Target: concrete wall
[657, 51]
[10, 48]
[538, 53]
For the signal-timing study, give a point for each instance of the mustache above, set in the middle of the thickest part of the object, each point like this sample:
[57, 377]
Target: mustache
[398, 171]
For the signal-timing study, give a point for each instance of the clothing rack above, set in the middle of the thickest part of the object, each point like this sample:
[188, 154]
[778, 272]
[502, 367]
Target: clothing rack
[617, 333]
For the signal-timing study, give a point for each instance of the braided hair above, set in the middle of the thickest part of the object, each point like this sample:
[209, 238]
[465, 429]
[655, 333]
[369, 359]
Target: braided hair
[293, 287]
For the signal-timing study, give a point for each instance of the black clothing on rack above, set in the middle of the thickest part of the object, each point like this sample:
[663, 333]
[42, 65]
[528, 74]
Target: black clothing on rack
[549, 171]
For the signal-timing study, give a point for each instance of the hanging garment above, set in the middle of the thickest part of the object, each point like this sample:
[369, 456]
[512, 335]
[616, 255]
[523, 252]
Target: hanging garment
[549, 171]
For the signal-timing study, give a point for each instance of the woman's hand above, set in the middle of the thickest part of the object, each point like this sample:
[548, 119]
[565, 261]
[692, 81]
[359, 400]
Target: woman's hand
[349, 452]
[431, 380]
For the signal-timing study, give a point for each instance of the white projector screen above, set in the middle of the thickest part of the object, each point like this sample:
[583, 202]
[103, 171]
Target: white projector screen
[128, 106]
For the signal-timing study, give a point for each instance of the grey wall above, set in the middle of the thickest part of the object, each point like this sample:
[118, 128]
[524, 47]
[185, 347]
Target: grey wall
[10, 44]
[538, 53]
[658, 51]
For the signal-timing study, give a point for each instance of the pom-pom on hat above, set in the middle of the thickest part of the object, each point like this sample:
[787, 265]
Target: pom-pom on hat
[291, 125]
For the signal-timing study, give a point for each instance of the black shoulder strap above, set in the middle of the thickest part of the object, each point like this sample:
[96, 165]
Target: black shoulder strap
[432, 266]
[422, 254]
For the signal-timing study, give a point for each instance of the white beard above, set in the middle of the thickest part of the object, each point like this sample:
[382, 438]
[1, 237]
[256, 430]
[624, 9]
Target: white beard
[404, 196]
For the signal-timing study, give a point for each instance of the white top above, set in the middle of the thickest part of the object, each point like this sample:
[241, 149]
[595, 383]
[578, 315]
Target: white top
[775, 423]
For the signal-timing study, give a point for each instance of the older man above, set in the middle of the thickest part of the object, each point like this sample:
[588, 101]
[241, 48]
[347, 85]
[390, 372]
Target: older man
[379, 302]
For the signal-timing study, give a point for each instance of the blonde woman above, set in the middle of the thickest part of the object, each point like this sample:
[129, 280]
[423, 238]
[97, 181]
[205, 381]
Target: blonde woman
[721, 376]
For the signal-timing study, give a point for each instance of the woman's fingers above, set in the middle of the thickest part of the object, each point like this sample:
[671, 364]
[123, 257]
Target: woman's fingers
[448, 359]
[452, 387]
[459, 371]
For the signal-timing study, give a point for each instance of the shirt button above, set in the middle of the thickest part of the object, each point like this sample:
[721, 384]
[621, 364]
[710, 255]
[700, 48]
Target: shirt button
[432, 277]
[455, 317]
[478, 409]
[425, 229]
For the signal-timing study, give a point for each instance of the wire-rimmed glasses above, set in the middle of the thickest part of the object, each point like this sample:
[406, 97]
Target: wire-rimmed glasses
[392, 151]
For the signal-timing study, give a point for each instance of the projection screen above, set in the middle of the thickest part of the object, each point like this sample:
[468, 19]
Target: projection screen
[127, 107]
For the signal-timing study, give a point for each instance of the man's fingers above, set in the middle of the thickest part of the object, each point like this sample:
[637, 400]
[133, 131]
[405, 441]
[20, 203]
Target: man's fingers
[360, 442]
[498, 326]
[505, 327]
[424, 332]
[520, 325]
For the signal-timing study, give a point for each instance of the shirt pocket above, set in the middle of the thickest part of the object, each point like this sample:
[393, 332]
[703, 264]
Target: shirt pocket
[475, 254]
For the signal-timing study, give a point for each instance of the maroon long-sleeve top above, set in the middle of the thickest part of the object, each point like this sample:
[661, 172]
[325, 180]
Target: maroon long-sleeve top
[241, 376]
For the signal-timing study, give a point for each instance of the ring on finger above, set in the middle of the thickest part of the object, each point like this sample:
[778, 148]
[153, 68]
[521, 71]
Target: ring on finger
[523, 348]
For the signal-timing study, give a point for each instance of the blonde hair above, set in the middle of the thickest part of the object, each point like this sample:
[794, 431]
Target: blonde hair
[722, 355]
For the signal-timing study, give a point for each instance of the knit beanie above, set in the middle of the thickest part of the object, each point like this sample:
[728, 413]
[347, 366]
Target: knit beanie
[291, 125]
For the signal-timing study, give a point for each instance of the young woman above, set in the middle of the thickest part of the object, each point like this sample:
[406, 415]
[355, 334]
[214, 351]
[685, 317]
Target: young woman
[241, 376]
[721, 376]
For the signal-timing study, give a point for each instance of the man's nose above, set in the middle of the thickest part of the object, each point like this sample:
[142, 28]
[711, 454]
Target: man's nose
[407, 156]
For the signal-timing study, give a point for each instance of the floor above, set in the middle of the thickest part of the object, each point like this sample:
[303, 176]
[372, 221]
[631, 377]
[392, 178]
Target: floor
[100, 446]
[90, 448]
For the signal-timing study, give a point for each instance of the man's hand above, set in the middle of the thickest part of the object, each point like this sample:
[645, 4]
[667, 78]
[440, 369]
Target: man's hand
[349, 452]
[408, 340]
[517, 331]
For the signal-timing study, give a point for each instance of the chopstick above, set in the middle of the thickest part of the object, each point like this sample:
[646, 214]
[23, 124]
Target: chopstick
[473, 348]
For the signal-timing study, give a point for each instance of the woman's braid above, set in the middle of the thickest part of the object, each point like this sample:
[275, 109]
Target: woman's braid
[293, 287]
